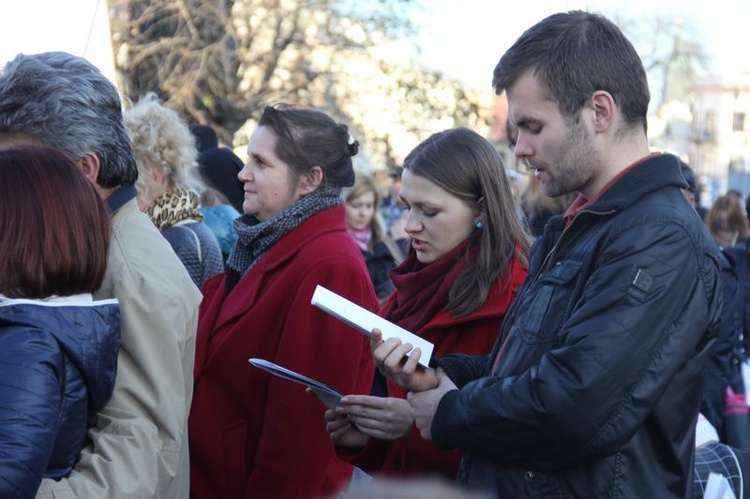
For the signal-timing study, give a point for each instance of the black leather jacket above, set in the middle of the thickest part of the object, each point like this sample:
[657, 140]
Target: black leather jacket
[603, 354]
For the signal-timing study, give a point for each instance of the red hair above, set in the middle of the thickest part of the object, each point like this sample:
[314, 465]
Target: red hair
[54, 227]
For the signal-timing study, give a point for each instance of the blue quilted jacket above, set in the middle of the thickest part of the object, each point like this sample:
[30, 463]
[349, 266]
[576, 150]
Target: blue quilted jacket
[58, 359]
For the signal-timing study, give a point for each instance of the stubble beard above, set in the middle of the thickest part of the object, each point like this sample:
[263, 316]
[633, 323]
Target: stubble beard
[576, 168]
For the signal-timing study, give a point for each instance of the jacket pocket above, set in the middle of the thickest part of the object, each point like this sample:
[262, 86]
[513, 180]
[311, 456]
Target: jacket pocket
[552, 293]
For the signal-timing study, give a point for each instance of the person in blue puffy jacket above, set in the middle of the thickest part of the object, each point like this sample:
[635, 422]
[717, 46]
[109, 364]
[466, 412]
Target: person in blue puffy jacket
[58, 347]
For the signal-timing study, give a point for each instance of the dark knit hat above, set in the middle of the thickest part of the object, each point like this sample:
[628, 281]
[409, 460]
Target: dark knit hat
[205, 136]
[219, 166]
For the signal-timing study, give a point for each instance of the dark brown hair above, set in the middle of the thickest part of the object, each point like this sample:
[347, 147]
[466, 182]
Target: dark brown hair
[466, 165]
[574, 54]
[54, 227]
[736, 219]
[308, 138]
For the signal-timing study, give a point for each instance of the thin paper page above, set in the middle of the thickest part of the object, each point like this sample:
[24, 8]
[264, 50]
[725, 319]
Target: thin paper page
[330, 397]
[365, 321]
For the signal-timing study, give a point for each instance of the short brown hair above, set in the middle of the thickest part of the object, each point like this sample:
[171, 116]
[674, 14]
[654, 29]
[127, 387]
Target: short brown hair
[54, 227]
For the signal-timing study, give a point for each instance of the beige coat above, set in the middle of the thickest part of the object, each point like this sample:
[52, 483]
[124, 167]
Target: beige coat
[139, 445]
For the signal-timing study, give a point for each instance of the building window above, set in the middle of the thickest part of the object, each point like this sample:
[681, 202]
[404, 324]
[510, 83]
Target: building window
[710, 125]
[738, 122]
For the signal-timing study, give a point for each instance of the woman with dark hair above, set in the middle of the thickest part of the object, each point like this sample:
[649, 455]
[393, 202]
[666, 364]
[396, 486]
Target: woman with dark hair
[727, 221]
[467, 259]
[58, 347]
[253, 435]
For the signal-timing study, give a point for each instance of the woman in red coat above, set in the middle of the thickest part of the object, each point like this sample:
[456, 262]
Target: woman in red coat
[467, 260]
[251, 434]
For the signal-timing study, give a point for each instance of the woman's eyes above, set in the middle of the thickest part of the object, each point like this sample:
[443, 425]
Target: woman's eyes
[425, 212]
[257, 161]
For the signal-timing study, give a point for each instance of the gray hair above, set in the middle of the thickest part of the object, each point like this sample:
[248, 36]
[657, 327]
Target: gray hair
[65, 102]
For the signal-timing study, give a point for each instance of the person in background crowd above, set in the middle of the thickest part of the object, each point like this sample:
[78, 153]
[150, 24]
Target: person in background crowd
[136, 445]
[723, 368]
[693, 192]
[518, 186]
[391, 208]
[538, 209]
[727, 221]
[736, 193]
[468, 258]
[592, 389]
[219, 166]
[381, 253]
[219, 216]
[253, 435]
[168, 185]
[58, 347]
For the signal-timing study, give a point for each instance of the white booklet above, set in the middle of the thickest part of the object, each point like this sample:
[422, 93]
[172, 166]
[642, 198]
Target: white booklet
[330, 397]
[365, 321]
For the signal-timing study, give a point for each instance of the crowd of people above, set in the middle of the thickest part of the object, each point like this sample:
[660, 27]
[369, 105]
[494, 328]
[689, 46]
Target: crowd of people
[584, 332]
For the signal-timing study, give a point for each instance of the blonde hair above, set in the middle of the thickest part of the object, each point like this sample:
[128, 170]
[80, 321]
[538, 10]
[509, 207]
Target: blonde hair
[362, 185]
[162, 141]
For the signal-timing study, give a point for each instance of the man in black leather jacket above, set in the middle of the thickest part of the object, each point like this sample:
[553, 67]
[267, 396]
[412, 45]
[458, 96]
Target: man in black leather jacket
[594, 386]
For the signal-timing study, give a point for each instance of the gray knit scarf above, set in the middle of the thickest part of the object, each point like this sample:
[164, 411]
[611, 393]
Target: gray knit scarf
[255, 238]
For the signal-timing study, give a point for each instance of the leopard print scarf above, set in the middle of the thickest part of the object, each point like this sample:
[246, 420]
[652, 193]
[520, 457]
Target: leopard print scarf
[174, 206]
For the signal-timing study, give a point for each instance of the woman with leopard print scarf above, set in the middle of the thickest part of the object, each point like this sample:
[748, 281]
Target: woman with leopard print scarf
[168, 178]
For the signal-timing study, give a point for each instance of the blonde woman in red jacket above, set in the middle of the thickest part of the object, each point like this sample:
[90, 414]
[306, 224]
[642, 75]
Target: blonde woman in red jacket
[467, 258]
[251, 434]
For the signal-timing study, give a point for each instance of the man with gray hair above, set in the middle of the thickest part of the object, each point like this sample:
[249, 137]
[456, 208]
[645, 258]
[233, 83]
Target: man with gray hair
[137, 445]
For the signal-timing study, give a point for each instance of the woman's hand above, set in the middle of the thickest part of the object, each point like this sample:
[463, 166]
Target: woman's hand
[391, 360]
[343, 433]
[386, 418]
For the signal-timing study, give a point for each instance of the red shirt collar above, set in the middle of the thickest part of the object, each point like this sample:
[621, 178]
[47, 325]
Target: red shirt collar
[581, 203]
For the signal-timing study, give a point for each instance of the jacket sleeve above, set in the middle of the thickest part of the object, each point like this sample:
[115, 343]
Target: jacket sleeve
[644, 313]
[462, 368]
[320, 346]
[30, 375]
[138, 444]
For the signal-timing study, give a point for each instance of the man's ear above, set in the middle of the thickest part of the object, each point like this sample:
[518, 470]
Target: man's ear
[311, 180]
[604, 108]
[89, 165]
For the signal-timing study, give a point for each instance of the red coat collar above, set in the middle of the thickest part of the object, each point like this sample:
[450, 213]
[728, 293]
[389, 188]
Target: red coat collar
[219, 309]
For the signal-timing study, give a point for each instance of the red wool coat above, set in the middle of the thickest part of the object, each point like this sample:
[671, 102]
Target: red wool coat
[473, 334]
[253, 435]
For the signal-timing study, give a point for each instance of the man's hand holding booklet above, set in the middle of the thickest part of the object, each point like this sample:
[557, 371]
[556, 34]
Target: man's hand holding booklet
[365, 321]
